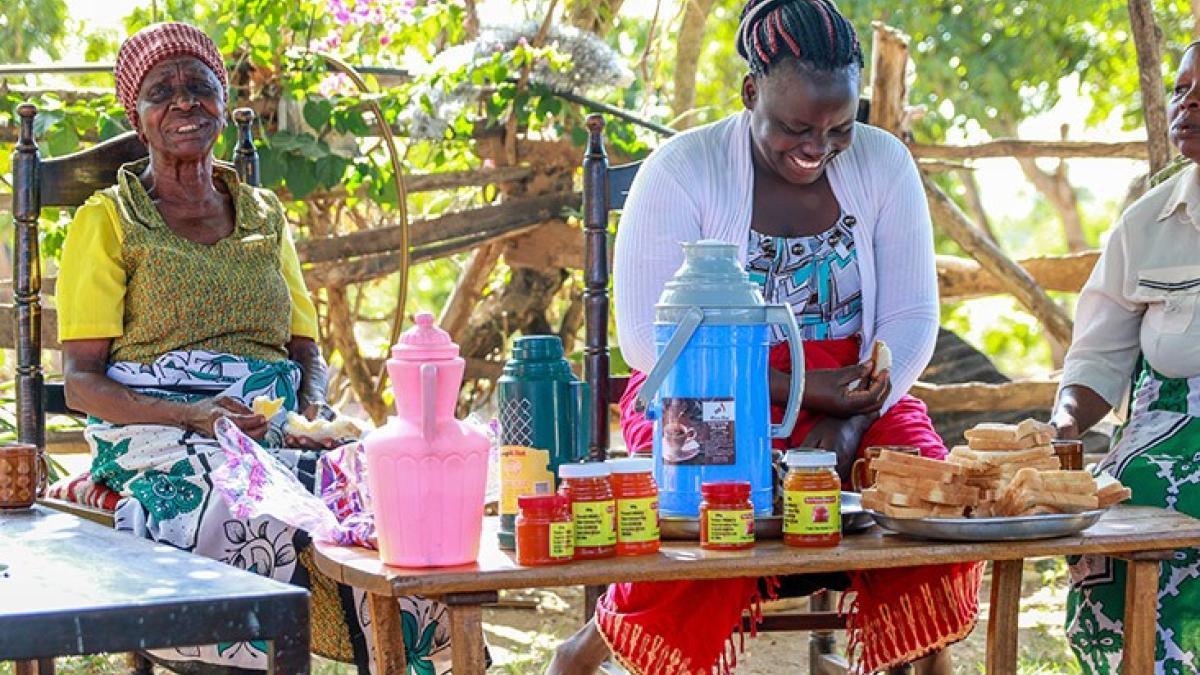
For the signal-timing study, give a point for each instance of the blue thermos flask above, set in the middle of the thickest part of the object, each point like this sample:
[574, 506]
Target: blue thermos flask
[708, 392]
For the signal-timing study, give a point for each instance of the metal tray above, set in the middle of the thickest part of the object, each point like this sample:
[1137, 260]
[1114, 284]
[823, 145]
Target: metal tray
[991, 529]
[854, 519]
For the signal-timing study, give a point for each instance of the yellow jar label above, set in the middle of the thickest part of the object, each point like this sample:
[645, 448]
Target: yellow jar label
[595, 523]
[523, 472]
[731, 526]
[816, 513]
[637, 520]
[562, 540]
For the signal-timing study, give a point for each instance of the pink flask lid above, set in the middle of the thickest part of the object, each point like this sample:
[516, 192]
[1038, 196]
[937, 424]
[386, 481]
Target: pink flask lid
[424, 342]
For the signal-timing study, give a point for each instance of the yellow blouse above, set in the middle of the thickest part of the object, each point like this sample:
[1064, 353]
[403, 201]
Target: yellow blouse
[91, 288]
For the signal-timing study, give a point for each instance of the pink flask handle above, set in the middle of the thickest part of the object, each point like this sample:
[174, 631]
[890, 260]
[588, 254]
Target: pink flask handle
[428, 400]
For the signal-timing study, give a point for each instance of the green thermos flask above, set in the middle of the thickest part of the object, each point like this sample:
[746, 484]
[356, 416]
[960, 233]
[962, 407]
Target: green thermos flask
[543, 411]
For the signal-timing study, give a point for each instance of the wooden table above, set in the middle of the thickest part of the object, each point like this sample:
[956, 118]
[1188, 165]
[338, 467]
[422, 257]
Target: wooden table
[1141, 535]
[74, 587]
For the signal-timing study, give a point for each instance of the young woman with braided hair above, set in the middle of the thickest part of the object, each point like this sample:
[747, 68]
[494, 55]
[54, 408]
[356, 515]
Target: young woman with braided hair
[830, 218]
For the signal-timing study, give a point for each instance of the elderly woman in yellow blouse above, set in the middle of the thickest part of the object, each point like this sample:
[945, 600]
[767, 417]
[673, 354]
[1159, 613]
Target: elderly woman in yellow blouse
[1136, 323]
[180, 301]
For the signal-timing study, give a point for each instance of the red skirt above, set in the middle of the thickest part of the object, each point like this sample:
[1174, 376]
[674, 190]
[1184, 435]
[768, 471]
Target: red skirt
[894, 616]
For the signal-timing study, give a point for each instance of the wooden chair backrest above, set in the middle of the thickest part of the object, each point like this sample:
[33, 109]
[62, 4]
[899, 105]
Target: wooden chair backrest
[66, 181]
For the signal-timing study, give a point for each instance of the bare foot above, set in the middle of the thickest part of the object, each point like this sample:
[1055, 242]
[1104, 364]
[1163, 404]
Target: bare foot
[580, 654]
[938, 663]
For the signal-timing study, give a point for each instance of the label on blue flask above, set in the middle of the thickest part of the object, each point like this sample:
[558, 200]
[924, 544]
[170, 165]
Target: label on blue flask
[698, 431]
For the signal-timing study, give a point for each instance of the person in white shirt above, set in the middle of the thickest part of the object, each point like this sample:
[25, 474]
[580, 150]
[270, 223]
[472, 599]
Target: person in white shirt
[1136, 349]
[830, 218]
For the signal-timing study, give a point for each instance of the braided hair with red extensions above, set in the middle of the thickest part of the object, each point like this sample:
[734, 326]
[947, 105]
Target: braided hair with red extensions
[811, 33]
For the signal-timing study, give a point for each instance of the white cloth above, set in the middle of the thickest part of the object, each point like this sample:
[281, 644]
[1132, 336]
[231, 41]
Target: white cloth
[700, 185]
[1142, 294]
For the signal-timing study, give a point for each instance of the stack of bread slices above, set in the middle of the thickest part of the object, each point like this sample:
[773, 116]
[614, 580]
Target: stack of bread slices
[907, 486]
[995, 453]
[1033, 492]
[1004, 470]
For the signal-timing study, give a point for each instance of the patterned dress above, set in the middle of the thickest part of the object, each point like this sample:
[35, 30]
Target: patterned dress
[1157, 455]
[816, 275]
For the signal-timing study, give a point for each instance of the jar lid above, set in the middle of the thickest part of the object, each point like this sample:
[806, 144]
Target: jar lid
[584, 470]
[424, 341]
[631, 465]
[542, 502]
[732, 489]
[810, 458]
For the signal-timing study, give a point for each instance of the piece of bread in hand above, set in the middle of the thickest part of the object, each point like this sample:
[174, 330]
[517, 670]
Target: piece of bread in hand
[881, 357]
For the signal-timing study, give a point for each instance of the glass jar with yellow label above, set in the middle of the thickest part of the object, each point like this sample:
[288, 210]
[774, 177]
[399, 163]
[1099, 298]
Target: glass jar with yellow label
[726, 516]
[637, 505]
[544, 530]
[593, 509]
[812, 500]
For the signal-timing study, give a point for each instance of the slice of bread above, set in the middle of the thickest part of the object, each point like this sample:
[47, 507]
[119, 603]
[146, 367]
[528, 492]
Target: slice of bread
[929, 491]
[1031, 427]
[993, 431]
[880, 496]
[891, 456]
[935, 471]
[1018, 444]
[881, 355]
[1110, 495]
[1003, 457]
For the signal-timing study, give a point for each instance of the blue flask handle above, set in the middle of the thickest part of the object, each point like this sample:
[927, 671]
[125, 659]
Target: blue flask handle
[688, 323]
[781, 315]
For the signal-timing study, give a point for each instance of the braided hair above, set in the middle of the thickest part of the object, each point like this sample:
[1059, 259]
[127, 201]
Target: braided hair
[811, 33]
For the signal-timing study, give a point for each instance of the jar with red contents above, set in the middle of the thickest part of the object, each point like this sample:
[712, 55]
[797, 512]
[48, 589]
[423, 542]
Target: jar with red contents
[593, 509]
[637, 505]
[726, 516]
[544, 530]
[812, 499]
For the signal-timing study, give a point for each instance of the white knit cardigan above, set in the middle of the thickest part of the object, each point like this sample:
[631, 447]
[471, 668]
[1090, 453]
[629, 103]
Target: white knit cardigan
[700, 185]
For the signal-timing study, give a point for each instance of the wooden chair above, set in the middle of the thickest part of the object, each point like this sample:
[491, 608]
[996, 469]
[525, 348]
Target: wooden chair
[68, 181]
[604, 190]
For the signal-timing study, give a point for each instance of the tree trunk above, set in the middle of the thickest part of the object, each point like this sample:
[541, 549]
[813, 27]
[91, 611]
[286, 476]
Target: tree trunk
[341, 329]
[687, 57]
[975, 203]
[1195, 18]
[1056, 188]
[469, 290]
[1147, 37]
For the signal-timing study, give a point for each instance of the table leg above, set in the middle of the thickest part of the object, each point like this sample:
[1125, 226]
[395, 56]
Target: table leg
[1002, 621]
[469, 655]
[1141, 616]
[388, 635]
[289, 649]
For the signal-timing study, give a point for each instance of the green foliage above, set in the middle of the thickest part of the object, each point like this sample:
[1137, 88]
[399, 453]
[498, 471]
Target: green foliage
[28, 26]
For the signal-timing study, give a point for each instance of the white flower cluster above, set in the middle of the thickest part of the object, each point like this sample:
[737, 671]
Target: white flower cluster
[592, 65]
